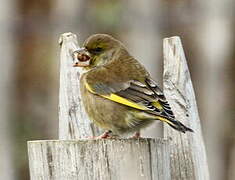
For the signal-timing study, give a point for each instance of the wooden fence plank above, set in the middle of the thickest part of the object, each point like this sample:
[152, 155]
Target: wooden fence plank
[188, 155]
[73, 120]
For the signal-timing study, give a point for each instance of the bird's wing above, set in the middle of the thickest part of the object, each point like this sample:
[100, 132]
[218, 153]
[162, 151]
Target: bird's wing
[145, 96]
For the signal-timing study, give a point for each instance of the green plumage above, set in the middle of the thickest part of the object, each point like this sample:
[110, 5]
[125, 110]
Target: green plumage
[117, 91]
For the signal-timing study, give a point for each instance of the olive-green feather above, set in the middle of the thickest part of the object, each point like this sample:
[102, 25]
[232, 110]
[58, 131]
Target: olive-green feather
[118, 92]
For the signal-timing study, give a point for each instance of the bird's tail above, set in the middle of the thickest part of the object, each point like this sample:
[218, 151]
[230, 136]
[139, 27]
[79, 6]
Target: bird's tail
[175, 124]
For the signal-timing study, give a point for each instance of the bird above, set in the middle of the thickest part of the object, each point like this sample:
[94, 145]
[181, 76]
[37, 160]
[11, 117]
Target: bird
[118, 93]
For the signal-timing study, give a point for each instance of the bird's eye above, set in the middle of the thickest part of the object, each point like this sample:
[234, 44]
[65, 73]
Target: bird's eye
[97, 50]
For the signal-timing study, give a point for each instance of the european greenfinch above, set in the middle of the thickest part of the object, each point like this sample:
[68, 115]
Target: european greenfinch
[118, 93]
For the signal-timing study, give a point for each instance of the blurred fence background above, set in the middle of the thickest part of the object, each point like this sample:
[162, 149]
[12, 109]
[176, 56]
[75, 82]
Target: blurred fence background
[29, 67]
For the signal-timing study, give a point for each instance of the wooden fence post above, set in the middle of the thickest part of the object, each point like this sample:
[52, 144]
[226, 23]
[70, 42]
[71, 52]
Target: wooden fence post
[109, 159]
[112, 159]
[73, 121]
[188, 155]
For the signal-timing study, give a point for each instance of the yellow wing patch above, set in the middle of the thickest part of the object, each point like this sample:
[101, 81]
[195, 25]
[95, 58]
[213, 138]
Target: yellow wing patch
[165, 120]
[124, 101]
[119, 99]
[89, 88]
[157, 105]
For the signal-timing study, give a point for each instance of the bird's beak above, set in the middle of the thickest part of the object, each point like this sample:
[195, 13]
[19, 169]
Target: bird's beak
[81, 58]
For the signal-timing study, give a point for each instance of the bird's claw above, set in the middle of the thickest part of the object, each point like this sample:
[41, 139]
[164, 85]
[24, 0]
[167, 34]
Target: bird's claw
[105, 135]
[136, 136]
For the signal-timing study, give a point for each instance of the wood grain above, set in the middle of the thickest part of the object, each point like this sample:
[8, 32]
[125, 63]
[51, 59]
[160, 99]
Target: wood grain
[110, 159]
[73, 120]
[188, 155]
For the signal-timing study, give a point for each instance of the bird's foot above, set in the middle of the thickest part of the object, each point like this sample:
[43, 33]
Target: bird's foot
[136, 136]
[105, 135]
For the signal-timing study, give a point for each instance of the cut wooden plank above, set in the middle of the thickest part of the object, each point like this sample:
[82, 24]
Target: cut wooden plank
[99, 159]
[188, 155]
[73, 120]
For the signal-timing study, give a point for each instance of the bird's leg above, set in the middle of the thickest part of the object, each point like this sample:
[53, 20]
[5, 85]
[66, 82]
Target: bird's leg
[136, 135]
[105, 135]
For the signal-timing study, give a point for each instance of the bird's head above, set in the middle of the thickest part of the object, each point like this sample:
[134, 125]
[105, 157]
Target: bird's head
[98, 49]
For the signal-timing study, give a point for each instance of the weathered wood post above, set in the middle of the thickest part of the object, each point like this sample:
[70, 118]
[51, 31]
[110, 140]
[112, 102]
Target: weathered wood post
[66, 159]
[188, 155]
[73, 121]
